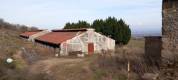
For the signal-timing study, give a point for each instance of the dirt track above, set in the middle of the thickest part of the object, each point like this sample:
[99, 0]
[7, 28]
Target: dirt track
[62, 68]
[47, 65]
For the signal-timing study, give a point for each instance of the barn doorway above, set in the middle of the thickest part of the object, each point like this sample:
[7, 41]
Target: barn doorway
[90, 48]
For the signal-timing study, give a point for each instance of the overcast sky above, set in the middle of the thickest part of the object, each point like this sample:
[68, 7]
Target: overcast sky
[141, 15]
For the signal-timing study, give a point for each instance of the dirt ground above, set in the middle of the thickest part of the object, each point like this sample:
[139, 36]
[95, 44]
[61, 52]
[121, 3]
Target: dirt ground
[63, 68]
[32, 62]
[37, 63]
[49, 64]
[74, 68]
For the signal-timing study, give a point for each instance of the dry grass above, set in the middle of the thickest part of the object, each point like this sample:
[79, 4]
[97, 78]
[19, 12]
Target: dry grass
[136, 43]
[115, 67]
[11, 46]
[45, 67]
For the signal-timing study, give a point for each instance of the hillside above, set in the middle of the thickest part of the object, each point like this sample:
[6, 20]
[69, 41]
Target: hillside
[32, 62]
[22, 52]
[36, 63]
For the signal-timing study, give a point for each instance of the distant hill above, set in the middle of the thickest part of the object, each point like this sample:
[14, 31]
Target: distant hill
[142, 35]
[15, 27]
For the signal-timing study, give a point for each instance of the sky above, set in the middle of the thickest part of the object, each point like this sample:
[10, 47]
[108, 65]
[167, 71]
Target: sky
[143, 16]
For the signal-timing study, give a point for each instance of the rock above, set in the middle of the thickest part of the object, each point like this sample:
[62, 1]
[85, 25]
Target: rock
[80, 55]
[9, 60]
[56, 55]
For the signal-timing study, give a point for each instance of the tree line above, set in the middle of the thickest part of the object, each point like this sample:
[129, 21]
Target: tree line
[15, 27]
[111, 26]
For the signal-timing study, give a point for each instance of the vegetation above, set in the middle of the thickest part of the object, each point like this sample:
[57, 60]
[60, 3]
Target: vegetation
[43, 66]
[116, 29]
[80, 24]
[32, 62]
[11, 47]
[53, 68]
[16, 27]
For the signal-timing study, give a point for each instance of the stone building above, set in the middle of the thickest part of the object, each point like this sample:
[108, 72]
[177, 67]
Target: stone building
[66, 41]
[170, 29]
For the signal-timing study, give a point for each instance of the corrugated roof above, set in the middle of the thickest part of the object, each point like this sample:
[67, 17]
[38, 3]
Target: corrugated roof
[57, 37]
[70, 30]
[27, 34]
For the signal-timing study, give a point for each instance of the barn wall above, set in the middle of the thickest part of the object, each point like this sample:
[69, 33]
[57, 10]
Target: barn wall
[107, 43]
[72, 45]
[101, 42]
[80, 43]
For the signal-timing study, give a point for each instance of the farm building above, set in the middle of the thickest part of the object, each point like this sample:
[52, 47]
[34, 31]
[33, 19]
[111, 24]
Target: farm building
[68, 41]
[32, 35]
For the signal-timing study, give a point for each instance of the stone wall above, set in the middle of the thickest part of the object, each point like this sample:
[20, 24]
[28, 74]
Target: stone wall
[170, 29]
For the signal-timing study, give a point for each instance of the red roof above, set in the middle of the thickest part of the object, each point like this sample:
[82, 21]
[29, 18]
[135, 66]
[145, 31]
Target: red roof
[70, 30]
[27, 34]
[57, 37]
